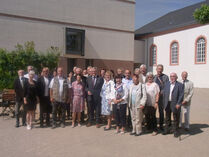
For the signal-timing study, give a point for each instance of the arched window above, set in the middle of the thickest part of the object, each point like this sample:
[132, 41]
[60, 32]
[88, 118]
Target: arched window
[200, 50]
[153, 55]
[174, 53]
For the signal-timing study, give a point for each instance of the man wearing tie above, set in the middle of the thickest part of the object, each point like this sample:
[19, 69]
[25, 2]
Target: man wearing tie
[43, 92]
[94, 85]
[19, 91]
[188, 93]
[173, 94]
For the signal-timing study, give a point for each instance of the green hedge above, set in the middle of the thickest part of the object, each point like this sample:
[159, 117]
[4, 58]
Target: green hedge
[20, 58]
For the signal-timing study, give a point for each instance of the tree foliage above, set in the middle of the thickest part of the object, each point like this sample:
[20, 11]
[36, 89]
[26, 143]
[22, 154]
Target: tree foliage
[202, 14]
[21, 57]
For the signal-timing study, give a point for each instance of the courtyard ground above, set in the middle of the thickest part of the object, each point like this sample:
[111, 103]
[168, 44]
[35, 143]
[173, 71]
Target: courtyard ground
[93, 142]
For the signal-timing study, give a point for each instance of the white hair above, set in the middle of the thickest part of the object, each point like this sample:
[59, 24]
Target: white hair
[136, 69]
[149, 74]
[143, 66]
[31, 72]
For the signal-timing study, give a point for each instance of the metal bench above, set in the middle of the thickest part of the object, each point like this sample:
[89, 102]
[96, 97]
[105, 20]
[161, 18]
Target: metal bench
[8, 102]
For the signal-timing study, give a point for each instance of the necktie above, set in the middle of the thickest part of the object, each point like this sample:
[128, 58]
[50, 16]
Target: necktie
[93, 80]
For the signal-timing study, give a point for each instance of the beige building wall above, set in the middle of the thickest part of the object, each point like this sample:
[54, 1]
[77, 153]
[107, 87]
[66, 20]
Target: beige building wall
[139, 51]
[117, 14]
[108, 25]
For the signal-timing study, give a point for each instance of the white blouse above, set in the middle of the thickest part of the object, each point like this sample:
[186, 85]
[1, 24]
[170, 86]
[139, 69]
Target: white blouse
[152, 90]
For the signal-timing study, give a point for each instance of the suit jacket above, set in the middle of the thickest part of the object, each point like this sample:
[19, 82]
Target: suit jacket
[41, 86]
[188, 91]
[177, 95]
[19, 90]
[94, 89]
[141, 96]
[164, 80]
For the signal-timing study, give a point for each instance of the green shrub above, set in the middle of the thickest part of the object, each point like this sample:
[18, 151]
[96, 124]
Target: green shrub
[20, 58]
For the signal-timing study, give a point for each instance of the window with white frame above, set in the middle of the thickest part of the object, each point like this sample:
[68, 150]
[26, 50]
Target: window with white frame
[153, 55]
[174, 53]
[200, 51]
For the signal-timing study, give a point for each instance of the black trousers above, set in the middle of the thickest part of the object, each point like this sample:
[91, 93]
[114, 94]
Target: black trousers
[176, 118]
[161, 111]
[129, 123]
[68, 110]
[150, 116]
[94, 105]
[17, 111]
[58, 106]
[120, 114]
[45, 108]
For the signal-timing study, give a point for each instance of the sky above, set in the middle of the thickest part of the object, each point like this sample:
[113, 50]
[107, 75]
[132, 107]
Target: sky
[148, 10]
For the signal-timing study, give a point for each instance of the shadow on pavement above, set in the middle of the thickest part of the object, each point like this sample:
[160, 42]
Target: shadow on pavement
[194, 130]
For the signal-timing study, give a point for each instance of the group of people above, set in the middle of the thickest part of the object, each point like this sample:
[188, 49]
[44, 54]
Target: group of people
[129, 100]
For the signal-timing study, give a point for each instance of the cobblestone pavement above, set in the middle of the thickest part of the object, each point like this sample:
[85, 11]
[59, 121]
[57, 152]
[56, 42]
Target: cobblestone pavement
[93, 142]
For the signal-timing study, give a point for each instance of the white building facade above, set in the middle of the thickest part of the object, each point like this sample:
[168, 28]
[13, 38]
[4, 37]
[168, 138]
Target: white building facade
[179, 49]
[186, 57]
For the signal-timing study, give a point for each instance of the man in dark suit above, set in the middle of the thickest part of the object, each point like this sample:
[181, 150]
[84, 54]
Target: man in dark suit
[173, 94]
[94, 85]
[19, 91]
[43, 92]
[161, 79]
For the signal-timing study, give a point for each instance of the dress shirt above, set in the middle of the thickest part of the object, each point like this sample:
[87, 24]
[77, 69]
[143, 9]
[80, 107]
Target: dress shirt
[144, 78]
[46, 90]
[127, 82]
[21, 81]
[61, 80]
[172, 85]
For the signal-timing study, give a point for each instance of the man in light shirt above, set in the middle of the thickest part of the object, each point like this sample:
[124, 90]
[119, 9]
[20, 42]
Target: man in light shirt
[173, 94]
[127, 80]
[143, 73]
[59, 96]
[188, 93]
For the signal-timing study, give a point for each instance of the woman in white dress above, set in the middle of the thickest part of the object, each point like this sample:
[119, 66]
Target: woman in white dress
[108, 95]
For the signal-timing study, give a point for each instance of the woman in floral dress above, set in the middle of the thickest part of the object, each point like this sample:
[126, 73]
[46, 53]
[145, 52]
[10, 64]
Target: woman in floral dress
[78, 96]
[108, 95]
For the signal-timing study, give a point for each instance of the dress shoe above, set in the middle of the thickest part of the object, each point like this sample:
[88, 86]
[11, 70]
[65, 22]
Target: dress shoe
[138, 134]
[106, 129]
[161, 128]
[186, 129]
[41, 125]
[88, 125]
[165, 132]
[24, 124]
[62, 125]
[176, 134]
[132, 133]
[53, 126]
[97, 126]
[17, 125]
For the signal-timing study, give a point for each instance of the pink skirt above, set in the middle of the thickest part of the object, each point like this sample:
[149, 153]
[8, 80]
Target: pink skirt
[78, 104]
